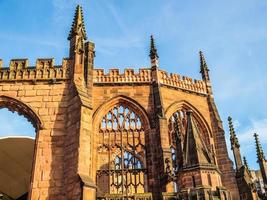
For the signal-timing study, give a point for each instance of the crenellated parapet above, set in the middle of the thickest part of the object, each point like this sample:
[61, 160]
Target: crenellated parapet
[18, 64]
[186, 83]
[144, 76]
[19, 70]
[45, 63]
[114, 76]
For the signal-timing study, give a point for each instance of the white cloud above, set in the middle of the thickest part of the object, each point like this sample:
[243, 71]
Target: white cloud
[247, 141]
[257, 126]
[236, 124]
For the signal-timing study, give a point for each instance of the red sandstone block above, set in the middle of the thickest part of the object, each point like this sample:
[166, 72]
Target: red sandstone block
[41, 87]
[63, 104]
[10, 93]
[36, 104]
[58, 183]
[28, 87]
[43, 184]
[45, 176]
[30, 93]
[21, 93]
[35, 194]
[57, 133]
[47, 98]
[14, 87]
[59, 125]
[55, 92]
[42, 92]
[5, 87]
[43, 111]
[32, 99]
[52, 104]
[60, 117]
[51, 111]
[46, 118]
[57, 98]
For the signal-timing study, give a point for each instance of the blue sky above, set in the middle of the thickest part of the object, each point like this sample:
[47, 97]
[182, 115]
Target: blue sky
[232, 35]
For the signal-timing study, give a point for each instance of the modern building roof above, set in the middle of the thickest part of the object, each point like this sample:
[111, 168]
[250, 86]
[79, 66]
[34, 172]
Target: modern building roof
[16, 156]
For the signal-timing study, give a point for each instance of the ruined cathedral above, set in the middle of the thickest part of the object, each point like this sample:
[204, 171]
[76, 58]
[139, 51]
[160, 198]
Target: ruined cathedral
[146, 135]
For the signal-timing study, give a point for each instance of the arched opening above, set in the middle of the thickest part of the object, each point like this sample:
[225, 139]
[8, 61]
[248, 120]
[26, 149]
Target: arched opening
[19, 126]
[177, 126]
[121, 152]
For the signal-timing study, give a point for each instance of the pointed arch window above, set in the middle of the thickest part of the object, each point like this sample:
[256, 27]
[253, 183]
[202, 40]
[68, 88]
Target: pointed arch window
[177, 128]
[121, 153]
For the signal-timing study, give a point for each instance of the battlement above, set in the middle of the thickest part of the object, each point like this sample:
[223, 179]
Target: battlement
[114, 76]
[144, 76]
[186, 83]
[45, 69]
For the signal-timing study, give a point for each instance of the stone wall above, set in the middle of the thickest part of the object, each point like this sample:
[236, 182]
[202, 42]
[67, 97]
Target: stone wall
[49, 104]
[66, 107]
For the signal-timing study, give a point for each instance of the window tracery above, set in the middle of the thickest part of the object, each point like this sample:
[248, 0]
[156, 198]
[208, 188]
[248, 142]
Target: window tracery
[121, 153]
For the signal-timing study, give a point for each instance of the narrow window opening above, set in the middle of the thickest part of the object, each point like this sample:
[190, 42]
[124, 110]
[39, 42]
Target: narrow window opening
[194, 181]
[209, 180]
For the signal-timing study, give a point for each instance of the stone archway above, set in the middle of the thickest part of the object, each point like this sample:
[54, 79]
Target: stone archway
[122, 165]
[18, 153]
[13, 104]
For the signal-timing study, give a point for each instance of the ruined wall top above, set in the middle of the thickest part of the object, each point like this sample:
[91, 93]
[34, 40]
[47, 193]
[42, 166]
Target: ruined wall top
[144, 76]
[45, 69]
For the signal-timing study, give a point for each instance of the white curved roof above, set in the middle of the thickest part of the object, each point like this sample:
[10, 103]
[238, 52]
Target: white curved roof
[16, 156]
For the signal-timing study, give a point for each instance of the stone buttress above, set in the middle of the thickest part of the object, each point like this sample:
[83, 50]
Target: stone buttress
[112, 135]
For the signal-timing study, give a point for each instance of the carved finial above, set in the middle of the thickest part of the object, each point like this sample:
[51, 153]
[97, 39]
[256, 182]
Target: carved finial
[259, 150]
[246, 163]
[204, 70]
[78, 27]
[153, 50]
[233, 138]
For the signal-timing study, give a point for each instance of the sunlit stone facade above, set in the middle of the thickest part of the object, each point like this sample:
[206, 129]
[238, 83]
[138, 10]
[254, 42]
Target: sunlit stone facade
[119, 135]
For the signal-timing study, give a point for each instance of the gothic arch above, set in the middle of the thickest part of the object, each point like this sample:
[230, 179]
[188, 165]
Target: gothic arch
[121, 147]
[21, 108]
[13, 104]
[121, 99]
[186, 105]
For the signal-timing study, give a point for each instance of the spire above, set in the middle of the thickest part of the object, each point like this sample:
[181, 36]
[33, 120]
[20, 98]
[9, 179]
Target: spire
[246, 163]
[153, 54]
[153, 50]
[233, 138]
[78, 27]
[235, 145]
[195, 150]
[259, 150]
[204, 70]
[261, 160]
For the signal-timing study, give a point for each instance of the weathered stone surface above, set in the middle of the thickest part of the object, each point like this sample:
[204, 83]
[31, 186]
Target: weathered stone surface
[67, 105]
